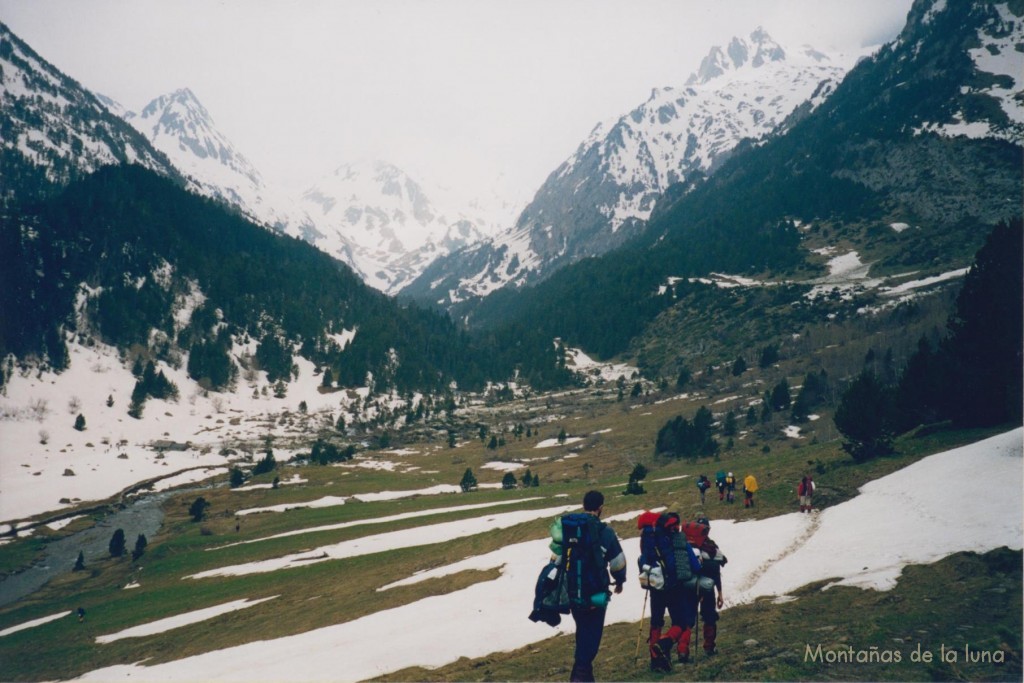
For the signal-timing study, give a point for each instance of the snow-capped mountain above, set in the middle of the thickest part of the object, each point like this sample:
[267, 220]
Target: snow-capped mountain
[386, 225]
[371, 215]
[602, 195]
[54, 130]
[180, 126]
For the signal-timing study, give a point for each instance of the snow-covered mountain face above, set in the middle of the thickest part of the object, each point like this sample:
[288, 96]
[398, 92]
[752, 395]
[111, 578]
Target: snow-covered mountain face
[54, 128]
[602, 195]
[371, 215]
[387, 225]
[180, 126]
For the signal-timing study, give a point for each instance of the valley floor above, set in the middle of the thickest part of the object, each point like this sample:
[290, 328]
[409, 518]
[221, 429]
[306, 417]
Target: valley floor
[965, 499]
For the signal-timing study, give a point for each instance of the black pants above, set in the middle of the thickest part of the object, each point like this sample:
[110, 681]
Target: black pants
[589, 629]
[680, 603]
[708, 607]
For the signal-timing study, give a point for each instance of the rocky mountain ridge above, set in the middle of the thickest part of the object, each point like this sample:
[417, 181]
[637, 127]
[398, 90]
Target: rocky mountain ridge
[604, 193]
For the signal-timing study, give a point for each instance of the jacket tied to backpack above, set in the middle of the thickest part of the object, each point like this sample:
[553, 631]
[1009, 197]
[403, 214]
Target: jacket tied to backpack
[585, 550]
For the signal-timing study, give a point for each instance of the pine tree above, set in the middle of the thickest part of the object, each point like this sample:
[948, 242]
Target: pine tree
[468, 482]
[117, 544]
[729, 427]
[975, 376]
[80, 423]
[634, 487]
[780, 398]
[237, 477]
[508, 482]
[769, 356]
[267, 464]
[986, 341]
[865, 418]
[198, 509]
[527, 478]
[140, 546]
[80, 562]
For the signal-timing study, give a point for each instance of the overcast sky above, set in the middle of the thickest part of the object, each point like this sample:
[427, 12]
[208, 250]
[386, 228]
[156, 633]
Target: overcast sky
[474, 94]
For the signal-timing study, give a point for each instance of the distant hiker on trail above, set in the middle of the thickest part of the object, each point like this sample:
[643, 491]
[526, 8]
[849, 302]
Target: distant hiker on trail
[730, 487]
[749, 489]
[589, 550]
[703, 485]
[712, 561]
[669, 570]
[805, 489]
[720, 483]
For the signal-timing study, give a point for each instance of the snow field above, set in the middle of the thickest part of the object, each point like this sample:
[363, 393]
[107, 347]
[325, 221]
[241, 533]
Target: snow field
[855, 543]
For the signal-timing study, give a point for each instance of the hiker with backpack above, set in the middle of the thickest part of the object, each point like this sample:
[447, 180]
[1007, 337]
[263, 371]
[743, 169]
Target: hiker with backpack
[720, 483]
[703, 485]
[710, 582]
[749, 488]
[730, 487]
[804, 490]
[588, 550]
[668, 570]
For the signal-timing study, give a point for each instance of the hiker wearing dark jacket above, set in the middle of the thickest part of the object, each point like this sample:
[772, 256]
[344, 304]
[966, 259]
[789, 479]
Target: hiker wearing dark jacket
[712, 561]
[678, 597]
[703, 484]
[590, 618]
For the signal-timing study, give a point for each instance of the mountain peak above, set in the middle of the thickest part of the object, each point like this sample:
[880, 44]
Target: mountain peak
[758, 49]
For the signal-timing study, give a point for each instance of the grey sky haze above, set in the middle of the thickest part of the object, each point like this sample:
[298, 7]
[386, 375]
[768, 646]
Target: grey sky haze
[475, 94]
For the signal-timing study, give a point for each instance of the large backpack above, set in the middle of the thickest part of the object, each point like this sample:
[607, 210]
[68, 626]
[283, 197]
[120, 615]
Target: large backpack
[696, 533]
[656, 561]
[583, 560]
[687, 565]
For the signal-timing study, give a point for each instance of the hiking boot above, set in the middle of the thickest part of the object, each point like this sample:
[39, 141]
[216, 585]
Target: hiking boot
[661, 655]
[710, 653]
[663, 649]
[661, 664]
[684, 657]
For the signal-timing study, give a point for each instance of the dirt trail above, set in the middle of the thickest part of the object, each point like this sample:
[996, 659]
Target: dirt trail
[813, 524]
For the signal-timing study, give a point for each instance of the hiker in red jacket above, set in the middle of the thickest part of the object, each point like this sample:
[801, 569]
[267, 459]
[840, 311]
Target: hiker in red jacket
[805, 489]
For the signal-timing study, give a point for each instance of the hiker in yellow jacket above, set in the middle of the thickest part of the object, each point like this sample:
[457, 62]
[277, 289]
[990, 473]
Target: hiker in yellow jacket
[749, 487]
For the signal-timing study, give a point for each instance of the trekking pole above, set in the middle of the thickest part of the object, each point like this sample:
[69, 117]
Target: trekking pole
[696, 628]
[643, 613]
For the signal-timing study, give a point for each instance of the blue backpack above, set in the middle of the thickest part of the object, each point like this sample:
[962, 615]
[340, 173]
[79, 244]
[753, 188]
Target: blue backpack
[656, 562]
[586, 575]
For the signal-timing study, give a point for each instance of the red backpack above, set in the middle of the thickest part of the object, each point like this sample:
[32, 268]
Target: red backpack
[696, 533]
